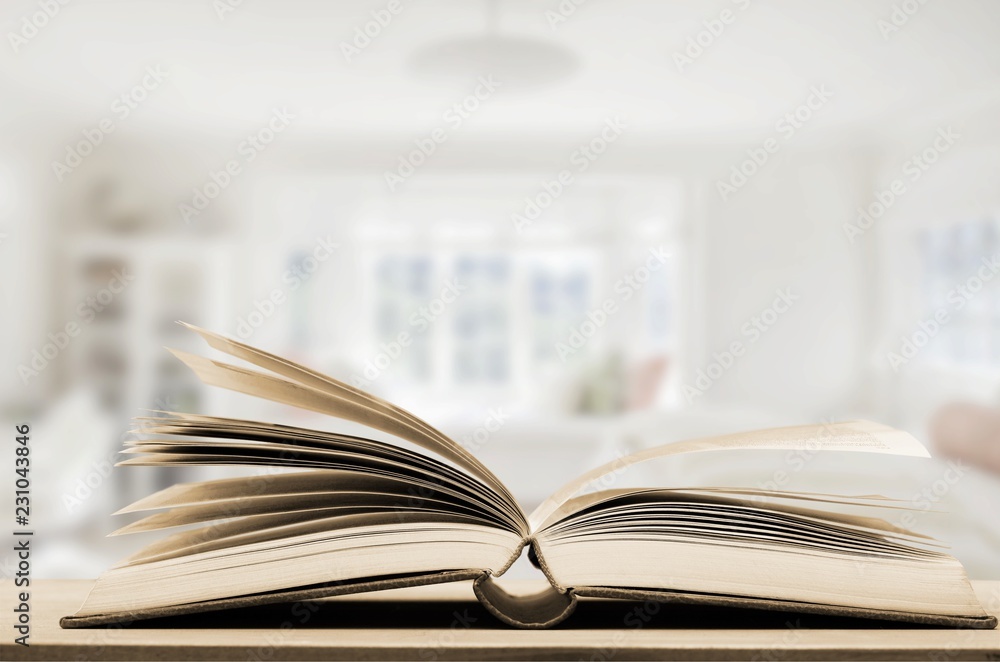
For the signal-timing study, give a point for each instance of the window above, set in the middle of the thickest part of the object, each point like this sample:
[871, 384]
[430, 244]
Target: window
[560, 294]
[403, 285]
[522, 296]
[506, 312]
[481, 339]
[952, 259]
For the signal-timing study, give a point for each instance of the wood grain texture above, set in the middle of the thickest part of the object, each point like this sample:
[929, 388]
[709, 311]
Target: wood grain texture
[445, 622]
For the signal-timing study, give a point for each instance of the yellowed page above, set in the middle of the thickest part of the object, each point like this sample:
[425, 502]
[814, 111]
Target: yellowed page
[850, 436]
[344, 406]
[417, 430]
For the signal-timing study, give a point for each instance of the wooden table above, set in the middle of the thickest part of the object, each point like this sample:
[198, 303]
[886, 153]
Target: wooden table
[444, 622]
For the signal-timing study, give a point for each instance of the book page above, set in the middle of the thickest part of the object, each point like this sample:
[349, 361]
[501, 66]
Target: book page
[849, 436]
[307, 389]
[276, 455]
[300, 387]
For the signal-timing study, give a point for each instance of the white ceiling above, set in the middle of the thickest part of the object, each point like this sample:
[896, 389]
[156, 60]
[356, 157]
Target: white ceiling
[270, 53]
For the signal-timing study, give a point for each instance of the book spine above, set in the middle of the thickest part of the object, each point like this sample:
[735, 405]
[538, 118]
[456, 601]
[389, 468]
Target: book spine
[538, 560]
[534, 611]
[543, 609]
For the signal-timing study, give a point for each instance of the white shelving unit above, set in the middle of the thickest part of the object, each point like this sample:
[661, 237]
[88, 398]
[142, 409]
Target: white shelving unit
[119, 352]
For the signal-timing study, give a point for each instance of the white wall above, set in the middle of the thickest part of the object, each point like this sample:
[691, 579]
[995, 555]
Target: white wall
[782, 231]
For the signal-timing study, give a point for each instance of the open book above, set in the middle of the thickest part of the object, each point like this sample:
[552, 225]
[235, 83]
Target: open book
[365, 515]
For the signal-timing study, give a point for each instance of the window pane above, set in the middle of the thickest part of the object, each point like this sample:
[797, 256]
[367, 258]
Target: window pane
[952, 258]
[482, 334]
[403, 285]
[560, 291]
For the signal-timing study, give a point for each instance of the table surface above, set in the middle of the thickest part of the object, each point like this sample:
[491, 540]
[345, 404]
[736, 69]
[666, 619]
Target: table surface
[445, 622]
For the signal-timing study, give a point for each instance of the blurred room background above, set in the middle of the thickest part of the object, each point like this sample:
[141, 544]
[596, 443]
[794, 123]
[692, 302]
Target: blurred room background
[558, 230]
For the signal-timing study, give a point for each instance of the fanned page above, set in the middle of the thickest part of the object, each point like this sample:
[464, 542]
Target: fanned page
[692, 542]
[358, 510]
[307, 389]
[179, 440]
[754, 547]
[850, 436]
